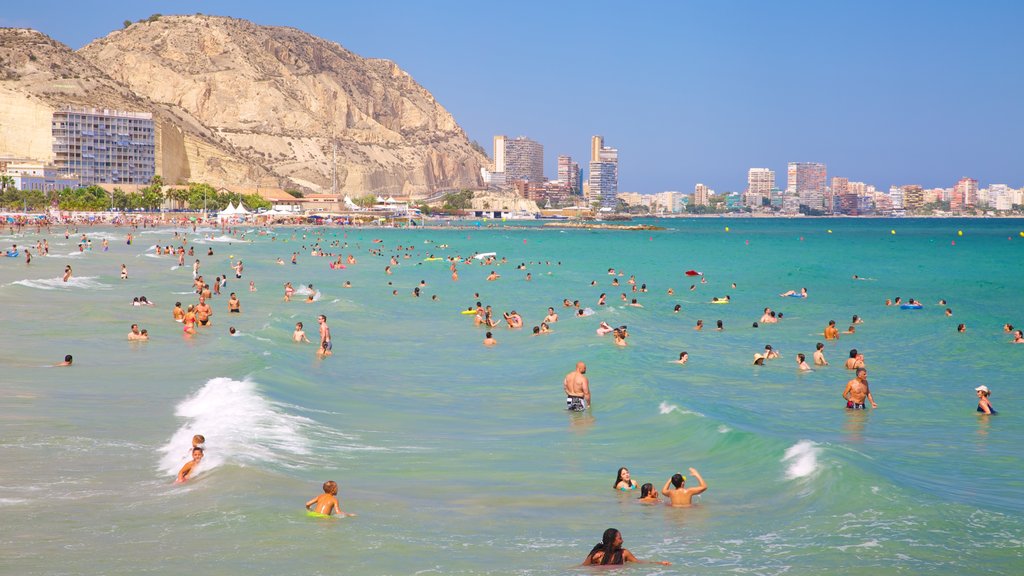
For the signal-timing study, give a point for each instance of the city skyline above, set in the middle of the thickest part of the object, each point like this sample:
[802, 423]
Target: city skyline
[881, 93]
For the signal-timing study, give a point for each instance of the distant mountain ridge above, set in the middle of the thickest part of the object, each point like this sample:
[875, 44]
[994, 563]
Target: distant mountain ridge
[238, 103]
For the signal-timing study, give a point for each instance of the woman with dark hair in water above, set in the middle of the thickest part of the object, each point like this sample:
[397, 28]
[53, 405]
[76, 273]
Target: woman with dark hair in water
[610, 552]
[623, 481]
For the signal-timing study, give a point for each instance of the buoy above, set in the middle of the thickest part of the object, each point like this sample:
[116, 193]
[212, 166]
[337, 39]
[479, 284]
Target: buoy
[959, 232]
[829, 231]
[727, 229]
[650, 238]
[893, 232]
[748, 242]
[232, 257]
[1022, 234]
[952, 242]
[524, 240]
[801, 238]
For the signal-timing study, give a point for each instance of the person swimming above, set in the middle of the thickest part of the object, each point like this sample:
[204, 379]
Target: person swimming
[623, 480]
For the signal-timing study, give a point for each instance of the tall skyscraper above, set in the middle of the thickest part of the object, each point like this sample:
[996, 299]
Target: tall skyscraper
[760, 182]
[701, 195]
[107, 146]
[569, 174]
[604, 173]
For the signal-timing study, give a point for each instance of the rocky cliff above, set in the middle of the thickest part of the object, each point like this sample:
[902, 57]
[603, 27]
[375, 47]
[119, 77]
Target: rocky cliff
[292, 103]
[40, 75]
[238, 103]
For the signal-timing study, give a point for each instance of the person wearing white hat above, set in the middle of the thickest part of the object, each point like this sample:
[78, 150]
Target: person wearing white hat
[984, 406]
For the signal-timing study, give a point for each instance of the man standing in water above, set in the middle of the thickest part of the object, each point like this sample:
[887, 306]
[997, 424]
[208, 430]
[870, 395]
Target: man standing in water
[857, 390]
[577, 389]
[325, 336]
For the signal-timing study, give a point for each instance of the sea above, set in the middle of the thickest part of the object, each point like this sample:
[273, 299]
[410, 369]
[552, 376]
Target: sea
[461, 459]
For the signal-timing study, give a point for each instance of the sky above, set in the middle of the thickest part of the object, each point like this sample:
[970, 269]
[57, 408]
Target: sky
[888, 93]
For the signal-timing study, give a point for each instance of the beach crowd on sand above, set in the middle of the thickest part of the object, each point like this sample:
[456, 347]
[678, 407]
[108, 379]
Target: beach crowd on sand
[311, 247]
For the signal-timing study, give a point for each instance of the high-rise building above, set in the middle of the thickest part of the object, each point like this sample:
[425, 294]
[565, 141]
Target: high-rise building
[896, 197]
[107, 146]
[701, 196]
[604, 173]
[521, 159]
[965, 194]
[913, 197]
[807, 179]
[569, 174]
[499, 153]
[760, 182]
[840, 187]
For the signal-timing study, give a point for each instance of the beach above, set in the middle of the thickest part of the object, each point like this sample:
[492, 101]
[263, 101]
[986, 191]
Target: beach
[461, 459]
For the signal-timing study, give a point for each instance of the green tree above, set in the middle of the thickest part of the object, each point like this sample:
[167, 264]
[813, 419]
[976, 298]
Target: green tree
[256, 202]
[127, 23]
[461, 200]
[366, 200]
[203, 194]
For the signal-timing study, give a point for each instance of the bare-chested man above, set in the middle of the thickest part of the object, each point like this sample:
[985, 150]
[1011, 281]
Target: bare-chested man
[325, 336]
[203, 312]
[857, 390]
[819, 355]
[679, 496]
[831, 332]
[577, 389]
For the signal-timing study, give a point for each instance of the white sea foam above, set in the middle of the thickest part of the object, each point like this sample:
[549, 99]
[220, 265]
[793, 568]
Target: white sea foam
[666, 408]
[84, 282]
[305, 291]
[241, 427]
[802, 459]
[225, 239]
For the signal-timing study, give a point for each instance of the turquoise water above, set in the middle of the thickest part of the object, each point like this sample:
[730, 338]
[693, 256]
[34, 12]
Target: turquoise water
[461, 459]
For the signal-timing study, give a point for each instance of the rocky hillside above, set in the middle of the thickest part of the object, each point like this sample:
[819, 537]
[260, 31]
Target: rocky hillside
[40, 75]
[290, 103]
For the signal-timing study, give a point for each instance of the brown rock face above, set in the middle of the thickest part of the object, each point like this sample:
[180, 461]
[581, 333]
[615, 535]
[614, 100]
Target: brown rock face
[243, 100]
[40, 75]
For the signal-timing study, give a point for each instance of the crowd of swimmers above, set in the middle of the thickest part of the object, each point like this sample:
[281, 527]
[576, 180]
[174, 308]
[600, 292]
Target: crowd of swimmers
[675, 492]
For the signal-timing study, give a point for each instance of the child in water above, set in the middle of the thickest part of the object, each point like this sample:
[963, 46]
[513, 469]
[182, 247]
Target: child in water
[327, 503]
[189, 467]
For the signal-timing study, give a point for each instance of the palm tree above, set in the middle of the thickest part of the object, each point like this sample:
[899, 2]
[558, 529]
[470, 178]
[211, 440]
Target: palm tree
[6, 183]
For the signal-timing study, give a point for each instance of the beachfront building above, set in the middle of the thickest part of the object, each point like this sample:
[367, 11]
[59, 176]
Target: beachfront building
[604, 173]
[39, 176]
[760, 182]
[965, 194]
[807, 179]
[519, 159]
[569, 174]
[896, 197]
[1000, 196]
[101, 145]
[701, 195]
[670, 201]
[913, 196]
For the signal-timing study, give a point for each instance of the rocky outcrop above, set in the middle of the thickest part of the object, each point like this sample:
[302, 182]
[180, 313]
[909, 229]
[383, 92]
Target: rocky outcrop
[301, 107]
[41, 75]
[235, 103]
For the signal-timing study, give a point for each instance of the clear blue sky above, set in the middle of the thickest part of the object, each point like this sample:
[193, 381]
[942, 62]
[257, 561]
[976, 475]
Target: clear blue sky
[883, 92]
